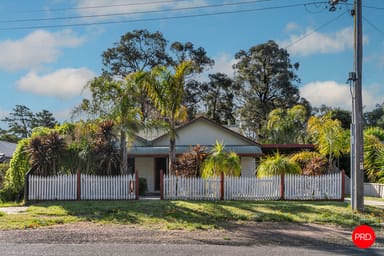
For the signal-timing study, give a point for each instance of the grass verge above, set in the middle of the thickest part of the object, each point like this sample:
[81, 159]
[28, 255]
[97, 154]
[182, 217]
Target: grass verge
[190, 215]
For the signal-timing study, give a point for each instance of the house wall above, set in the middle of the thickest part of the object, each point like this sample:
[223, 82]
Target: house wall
[248, 166]
[145, 166]
[203, 133]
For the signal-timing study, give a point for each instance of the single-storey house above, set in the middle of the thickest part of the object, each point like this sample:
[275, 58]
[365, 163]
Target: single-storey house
[6, 150]
[149, 154]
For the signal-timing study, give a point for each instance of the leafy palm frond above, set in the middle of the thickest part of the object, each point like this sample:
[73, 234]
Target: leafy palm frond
[276, 165]
[220, 161]
[375, 131]
[330, 138]
[166, 90]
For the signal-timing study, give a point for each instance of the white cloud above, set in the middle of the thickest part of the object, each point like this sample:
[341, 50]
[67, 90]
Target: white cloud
[63, 115]
[223, 64]
[317, 42]
[123, 6]
[291, 26]
[333, 94]
[3, 113]
[63, 83]
[36, 48]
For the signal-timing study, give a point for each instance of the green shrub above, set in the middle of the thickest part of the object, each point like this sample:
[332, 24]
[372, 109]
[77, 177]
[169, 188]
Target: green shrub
[3, 169]
[143, 187]
[14, 178]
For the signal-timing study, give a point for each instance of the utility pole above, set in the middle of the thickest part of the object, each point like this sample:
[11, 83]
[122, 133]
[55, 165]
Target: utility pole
[358, 161]
[357, 143]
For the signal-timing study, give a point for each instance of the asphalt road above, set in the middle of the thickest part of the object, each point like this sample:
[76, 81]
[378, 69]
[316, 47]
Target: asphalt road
[105, 249]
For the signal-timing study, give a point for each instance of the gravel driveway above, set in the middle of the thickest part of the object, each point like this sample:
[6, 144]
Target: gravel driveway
[246, 233]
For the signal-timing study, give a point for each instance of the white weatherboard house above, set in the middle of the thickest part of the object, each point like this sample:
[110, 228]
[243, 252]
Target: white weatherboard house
[150, 155]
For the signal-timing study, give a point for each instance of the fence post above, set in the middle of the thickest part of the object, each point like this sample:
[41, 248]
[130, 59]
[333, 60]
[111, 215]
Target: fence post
[78, 175]
[342, 185]
[26, 187]
[222, 186]
[282, 186]
[137, 184]
[161, 184]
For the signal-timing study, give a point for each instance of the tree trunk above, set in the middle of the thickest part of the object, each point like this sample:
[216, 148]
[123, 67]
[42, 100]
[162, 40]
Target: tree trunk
[172, 155]
[123, 153]
[172, 147]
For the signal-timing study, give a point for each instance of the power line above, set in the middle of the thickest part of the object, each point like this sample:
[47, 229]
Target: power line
[373, 25]
[151, 19]
[132, 13]
[315, 30]
[99, 6]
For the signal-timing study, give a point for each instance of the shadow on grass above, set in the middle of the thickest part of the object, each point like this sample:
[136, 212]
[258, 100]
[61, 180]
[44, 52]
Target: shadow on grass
[195, 215]
[211, 214]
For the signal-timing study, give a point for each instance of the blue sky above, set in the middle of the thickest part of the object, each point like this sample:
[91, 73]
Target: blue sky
[46, 56]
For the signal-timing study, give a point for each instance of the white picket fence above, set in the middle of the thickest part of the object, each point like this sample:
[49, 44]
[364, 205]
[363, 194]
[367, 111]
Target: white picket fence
[370, 189]
[374, 189]
[287, 187]
[92, 187]
[60, 187]
[191, 188]
[324, 187]
[252, 188]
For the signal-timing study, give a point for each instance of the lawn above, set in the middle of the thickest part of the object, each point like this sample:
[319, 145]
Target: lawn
[190, 215]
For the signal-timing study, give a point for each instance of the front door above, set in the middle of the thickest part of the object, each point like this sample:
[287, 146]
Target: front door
[160, 164]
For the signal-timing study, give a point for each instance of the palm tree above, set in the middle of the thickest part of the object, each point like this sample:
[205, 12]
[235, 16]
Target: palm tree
[374, 153]
[220, 161]
[276, 165]
[380, 165]
[116, 100]
[166, 90]
[127, 114]
[329, 137]
[104, 149]
[287, 126]
[44, 153]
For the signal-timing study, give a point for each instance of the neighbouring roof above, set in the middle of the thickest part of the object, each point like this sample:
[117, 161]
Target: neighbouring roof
[286, 148]
[7, 148]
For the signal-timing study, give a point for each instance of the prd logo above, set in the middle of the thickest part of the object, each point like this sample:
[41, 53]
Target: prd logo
[363, 236]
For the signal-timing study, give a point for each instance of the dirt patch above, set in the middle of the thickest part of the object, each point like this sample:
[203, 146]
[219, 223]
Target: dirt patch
[245, 233]
[14, 210]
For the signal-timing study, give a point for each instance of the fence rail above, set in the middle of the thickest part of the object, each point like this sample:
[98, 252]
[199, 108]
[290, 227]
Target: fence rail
[370, 189]
[252, 188]
[191, 188]
[82, 187]
[285, 187]
[61, 187]
[324, 187]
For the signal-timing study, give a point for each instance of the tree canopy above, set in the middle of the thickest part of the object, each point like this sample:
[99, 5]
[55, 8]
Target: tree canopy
[268, 81]
[219, 98]
[21, 121]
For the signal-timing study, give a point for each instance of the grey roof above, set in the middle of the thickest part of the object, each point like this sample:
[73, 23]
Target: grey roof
[152, 151]
[7, 148]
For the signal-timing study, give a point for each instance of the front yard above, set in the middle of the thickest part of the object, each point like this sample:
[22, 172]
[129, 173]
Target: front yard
[190, 215]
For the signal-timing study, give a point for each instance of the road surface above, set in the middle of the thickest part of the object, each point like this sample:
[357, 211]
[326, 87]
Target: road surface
[104, 249]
